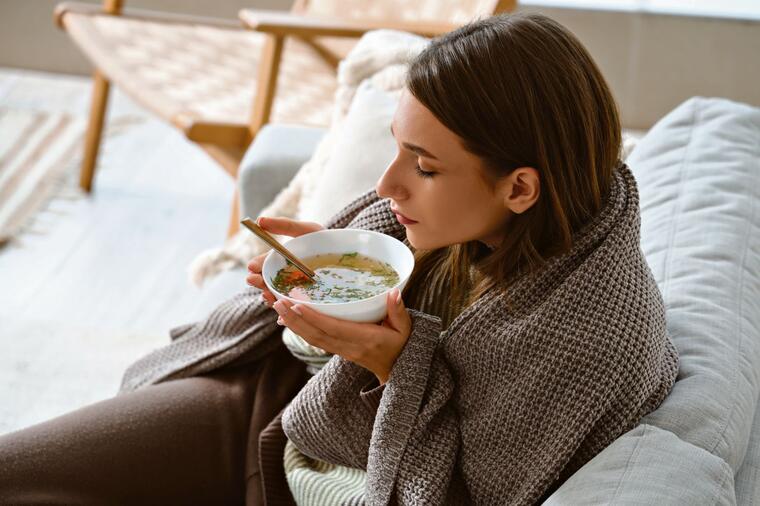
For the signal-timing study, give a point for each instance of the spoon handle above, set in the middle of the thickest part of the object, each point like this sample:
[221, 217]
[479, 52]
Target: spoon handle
[267, 238]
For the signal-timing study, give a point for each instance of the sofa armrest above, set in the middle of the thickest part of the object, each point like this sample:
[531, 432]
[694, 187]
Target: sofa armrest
[271, 161]
[649, 465]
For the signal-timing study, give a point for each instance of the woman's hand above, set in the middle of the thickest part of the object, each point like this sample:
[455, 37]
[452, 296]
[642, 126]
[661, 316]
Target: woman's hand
[371, 345]
[279, 226]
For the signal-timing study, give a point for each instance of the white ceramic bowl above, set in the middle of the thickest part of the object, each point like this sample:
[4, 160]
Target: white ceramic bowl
[346, 240]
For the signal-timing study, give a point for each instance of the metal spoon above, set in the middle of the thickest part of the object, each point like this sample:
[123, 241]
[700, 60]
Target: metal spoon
[282, 250]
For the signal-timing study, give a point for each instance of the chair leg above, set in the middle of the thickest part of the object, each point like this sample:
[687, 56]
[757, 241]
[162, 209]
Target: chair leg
[266, 83]
[229, 159]
[98, 105]
[234, 225]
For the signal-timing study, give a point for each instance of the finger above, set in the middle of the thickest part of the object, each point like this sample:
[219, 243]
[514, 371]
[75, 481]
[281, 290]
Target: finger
[342, 330]
[256, 280]
[267, 298]
[397, 318]
[257, 262]
[286, 226]
[311, 334]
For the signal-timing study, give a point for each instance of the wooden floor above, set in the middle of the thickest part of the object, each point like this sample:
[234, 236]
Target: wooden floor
[98, 280]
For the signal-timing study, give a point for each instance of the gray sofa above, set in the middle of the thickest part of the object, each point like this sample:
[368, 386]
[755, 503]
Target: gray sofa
[698, 171]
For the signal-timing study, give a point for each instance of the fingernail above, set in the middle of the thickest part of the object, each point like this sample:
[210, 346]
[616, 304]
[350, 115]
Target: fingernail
[279, 306]
[398, 297]
[280, 321]
[297, 309]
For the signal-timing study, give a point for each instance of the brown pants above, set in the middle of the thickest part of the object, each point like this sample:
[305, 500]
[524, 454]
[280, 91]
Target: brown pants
[186, 441]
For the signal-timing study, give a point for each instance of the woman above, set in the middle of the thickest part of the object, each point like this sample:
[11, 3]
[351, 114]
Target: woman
[530, 335]
[538, 333]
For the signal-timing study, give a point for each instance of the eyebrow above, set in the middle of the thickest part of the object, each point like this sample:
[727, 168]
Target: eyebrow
[417, 149]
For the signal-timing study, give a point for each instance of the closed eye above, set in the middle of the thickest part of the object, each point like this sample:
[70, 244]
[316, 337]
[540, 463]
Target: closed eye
[423, 173]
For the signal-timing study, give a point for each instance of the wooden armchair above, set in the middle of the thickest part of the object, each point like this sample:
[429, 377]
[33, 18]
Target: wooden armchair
[219, 81]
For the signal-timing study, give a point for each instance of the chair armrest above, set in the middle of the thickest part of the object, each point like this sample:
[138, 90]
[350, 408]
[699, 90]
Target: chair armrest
[271, 161]
[64, 8]
[289, 24]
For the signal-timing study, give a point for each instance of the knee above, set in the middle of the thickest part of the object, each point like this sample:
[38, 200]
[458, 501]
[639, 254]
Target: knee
[231, 390]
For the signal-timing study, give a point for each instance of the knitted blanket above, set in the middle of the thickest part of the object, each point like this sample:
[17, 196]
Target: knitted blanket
[513, 398]
[542, 385]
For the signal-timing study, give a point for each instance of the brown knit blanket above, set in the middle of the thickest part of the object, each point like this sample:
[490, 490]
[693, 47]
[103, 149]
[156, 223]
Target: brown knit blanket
[506, 403]
[502, 406]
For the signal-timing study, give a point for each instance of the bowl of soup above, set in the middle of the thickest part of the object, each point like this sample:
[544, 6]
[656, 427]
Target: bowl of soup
[355, 271]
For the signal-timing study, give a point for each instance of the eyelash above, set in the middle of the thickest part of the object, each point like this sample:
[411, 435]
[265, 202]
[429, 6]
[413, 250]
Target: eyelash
[423, 173]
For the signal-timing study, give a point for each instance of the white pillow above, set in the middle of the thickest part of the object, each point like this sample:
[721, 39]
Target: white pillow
[362, 149]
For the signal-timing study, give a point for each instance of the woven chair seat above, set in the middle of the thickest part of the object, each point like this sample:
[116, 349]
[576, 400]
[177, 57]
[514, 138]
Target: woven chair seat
[202, 73]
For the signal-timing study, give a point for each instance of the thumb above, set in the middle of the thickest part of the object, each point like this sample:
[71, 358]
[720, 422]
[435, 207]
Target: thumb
[287, 226]
[275, 225]
[397, 317]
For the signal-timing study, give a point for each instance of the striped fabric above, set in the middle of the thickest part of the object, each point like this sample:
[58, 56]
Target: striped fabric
[36, 149]
[313, 357]
[314, 483]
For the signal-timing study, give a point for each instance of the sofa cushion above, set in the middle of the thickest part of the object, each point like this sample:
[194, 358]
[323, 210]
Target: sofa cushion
[747, 481]
[698, 171]
[266, 168]
[646, 466]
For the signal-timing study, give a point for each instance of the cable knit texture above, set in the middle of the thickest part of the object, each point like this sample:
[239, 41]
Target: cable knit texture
[500, 407]
[511, 399]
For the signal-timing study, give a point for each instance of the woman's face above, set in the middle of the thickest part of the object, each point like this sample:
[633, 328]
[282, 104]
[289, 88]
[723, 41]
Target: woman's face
[436, 183]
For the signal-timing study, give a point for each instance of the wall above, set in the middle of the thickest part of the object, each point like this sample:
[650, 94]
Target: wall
[654, 62]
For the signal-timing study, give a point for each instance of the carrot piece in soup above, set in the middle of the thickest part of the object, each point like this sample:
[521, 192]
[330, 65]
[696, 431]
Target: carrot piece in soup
[294, 277]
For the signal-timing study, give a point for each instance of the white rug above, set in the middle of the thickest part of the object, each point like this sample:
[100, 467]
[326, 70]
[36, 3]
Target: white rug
[93, 281]
[40, 158]
[36, 149]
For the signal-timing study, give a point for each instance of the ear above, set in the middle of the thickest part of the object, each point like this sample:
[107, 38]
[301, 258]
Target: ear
[522, 189]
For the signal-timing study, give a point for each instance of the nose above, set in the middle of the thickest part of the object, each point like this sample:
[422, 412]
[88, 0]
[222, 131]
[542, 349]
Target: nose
[388, 186]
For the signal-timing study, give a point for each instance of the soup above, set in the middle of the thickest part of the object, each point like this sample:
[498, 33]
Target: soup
[340, 277]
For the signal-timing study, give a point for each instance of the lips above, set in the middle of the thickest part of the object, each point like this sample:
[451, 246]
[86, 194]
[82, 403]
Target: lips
[403, 219]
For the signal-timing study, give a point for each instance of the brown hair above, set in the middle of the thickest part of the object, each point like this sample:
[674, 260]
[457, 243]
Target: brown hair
[519, 90]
